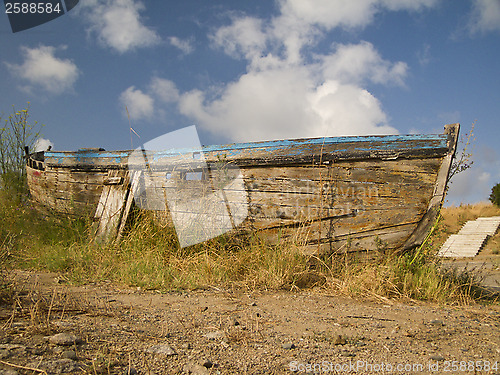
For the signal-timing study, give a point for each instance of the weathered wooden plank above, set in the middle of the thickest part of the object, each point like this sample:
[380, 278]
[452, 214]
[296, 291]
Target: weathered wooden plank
[297, 188]
[430, 217]
[302, 177]
[134, 178]
[341, 222]
[75, 193]
[113, 181]
[63, 189]
[303, 151]
[326, 149]
[349, 194]
[294, 219]
[354, 196]
[110, 207]
[75, 176]
[375, 239]
[44, 193]
[87, 159]
[320, 172]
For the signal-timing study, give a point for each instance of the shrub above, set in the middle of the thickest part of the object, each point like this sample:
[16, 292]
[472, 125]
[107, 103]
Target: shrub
[16, 133]
[495, 195]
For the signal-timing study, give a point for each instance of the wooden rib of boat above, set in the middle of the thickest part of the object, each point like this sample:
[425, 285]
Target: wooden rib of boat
[340, 193]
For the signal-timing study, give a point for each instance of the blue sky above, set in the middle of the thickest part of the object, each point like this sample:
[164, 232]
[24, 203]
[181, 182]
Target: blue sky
[262, 69]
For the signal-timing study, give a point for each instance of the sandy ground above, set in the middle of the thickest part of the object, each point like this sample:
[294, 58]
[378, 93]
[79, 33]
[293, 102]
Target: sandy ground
[111, 330]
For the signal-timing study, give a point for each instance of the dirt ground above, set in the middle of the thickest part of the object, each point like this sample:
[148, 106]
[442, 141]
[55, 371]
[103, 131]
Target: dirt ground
[111, 330]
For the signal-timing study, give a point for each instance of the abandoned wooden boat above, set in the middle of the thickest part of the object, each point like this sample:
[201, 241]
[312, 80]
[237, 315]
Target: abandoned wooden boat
[333, 194]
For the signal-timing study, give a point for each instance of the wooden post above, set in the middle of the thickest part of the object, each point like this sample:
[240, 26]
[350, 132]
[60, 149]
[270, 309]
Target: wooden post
[111, 203]
[134, 177]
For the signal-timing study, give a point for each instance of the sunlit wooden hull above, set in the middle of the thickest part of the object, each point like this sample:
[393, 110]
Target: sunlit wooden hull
[333, 194]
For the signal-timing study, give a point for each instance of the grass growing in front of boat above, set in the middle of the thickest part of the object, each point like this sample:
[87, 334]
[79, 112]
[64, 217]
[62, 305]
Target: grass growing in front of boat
[149, 257]
[400, 277]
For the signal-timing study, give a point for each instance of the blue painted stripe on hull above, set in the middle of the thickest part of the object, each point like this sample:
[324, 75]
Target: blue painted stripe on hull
[86, 157]
[384, 143]
[299, 146]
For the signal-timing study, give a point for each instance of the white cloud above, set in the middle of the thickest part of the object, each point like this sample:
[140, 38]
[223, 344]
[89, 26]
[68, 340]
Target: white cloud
[302, 22]
[185, 45]
[345, 109]
[164, 89]
[42, 69]
[284, 103]
[259, 105]
[289, 89]
[348, 14]
[118, 24]
[412, 5]
[485, 16]
[139, 104]
[243, 38]
[42, 144]
[328, 13]
[147, 105]
[358, 62]
[424, 55]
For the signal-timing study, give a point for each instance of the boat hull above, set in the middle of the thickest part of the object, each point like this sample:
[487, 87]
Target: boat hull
[72, 183]
[332, 194]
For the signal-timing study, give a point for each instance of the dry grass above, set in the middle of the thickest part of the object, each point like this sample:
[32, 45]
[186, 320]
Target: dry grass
[454, 217]
[38, 309]
[149, 256]
[398, 278]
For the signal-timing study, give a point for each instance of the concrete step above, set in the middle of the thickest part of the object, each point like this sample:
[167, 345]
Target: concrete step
[462, 245]
[471, 238]
[480, 226]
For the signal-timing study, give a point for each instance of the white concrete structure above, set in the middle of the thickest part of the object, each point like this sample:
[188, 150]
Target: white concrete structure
[470, 239]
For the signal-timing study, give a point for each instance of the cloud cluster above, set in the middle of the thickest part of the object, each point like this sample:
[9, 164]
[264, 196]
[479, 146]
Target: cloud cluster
[290, 89]
[286, 103]
[142, 104]
[184, 45]
[485, 16]
[41, 69]
[348, 14]
[118, 24]
[137, 103]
